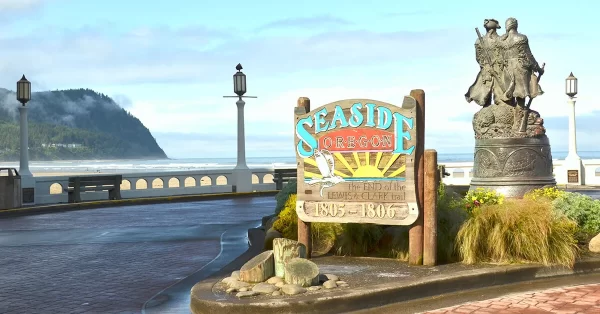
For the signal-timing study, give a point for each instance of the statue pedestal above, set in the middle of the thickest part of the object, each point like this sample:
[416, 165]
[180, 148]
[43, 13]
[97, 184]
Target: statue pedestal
[512, 166]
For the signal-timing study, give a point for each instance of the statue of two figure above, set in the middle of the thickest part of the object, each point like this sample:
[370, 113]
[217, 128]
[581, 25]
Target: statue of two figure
[506, 81]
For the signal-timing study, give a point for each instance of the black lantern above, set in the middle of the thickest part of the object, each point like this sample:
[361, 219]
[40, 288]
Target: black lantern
[23, 90]
[571, 85]
[239, 81]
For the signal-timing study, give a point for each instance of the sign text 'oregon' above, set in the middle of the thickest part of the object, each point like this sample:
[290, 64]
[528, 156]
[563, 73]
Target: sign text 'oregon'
[356, 163]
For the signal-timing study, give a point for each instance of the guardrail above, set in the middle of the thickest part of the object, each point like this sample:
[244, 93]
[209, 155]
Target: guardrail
[49, 190]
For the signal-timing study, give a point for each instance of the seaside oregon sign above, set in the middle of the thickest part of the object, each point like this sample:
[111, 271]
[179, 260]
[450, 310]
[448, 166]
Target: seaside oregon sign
[356, 163]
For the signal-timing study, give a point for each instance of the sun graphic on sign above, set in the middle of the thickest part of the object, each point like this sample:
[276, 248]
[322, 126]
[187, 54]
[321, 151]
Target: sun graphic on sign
[361, 165]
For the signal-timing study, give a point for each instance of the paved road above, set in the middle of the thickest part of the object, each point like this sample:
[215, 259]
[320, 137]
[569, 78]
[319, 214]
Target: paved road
[120, 259]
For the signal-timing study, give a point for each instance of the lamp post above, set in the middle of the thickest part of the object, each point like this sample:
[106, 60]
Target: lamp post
[242, 174]
[27, 181]
[573, 164]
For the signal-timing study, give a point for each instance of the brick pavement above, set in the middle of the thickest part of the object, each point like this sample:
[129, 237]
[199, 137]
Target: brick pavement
[573, 299]
[67, 273]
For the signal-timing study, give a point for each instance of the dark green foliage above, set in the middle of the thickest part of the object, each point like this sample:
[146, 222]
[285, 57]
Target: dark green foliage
[284, 194]
[582, 209]
[77, 116]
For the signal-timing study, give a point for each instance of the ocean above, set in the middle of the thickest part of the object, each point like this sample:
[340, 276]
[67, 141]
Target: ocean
[128, 166]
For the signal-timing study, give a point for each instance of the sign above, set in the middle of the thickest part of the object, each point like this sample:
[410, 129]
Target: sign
[572, 176]
[356, 163]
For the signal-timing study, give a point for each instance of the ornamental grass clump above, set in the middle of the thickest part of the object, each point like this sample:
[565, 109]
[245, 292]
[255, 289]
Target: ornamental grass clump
[358, 239]
[516, 231]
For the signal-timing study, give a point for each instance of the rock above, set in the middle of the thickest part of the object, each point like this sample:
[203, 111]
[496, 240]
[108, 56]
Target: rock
[245, 294]
[259, 268]
[283, 251]
[265, 221]
[323, 278]
[271, 235]
[332, 277]
[231, 290]
[280, 284]
[302, 272]
[292, 289]
[244, 289]
[329, 284]
[228, 280]
[236, 275]
[264, 288]
[340, 282]
[274, 280]
[344, 285]
[276, 293]
[595, 244]
[314, 288]
[269, 224]
[236, 284]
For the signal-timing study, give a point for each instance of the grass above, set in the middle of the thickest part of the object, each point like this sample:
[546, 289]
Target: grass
[518, 231]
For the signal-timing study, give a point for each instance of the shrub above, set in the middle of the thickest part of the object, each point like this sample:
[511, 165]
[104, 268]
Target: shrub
[480, 196]
[287, 224]
[290, 188]
[549, 193]
[518, 231]
[358, 239]
[323, 234]
[451, 214]
[582, 209]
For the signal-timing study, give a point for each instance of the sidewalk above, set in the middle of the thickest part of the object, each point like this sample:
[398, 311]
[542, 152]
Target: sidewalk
[377, 282]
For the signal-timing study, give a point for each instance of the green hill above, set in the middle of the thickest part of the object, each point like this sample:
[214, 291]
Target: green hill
[74, 124]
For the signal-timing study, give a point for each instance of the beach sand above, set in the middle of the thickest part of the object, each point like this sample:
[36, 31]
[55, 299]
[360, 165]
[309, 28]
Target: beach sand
[141, 184]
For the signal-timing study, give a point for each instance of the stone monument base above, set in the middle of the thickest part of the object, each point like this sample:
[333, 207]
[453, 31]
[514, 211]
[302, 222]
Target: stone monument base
[512, 166]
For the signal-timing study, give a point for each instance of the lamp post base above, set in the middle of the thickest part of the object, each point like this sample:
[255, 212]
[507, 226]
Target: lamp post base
[242, 180]
[28, 188]
[572, 171]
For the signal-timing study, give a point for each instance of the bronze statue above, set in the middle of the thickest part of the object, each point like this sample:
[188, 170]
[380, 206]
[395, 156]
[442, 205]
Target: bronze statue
[507, 75]
[512, 152]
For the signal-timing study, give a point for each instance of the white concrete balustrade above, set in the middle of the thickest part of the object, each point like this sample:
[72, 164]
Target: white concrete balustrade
[50, 190]
[462, 172]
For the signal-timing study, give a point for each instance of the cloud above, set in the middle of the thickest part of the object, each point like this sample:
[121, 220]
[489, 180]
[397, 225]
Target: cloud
[18, 5]
[122, 100]
[409, 13]
[98, 56]
[315, 22]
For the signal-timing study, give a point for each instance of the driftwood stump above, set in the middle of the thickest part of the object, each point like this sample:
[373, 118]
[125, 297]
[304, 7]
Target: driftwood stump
[259, 268]
[284, 250]
[302, 272]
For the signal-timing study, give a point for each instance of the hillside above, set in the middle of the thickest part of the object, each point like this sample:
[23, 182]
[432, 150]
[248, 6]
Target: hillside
[74, 124]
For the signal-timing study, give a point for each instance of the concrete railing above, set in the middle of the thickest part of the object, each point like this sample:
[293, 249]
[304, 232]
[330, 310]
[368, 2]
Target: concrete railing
[50, 190]
[462, 172]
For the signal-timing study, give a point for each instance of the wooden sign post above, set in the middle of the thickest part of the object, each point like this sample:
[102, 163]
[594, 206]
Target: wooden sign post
[361, 161]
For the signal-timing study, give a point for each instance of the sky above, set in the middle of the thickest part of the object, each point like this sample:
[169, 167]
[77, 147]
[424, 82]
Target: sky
[170, 62]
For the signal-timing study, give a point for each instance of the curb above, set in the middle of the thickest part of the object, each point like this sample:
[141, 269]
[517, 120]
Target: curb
[45, 209]
[203, 300]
